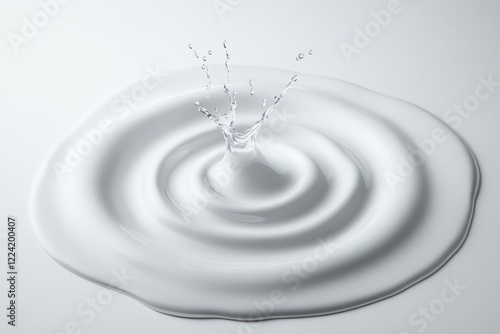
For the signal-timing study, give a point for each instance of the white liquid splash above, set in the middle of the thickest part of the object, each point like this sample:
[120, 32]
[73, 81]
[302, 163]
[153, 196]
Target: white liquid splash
[310, 214]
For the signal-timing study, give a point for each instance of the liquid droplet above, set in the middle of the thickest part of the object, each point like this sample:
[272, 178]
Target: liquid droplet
[310, 52]
[209, 52]
[224, 44]
[300, 56]
[197, 103]
[239, 140]
[209, 79]
[190, 46]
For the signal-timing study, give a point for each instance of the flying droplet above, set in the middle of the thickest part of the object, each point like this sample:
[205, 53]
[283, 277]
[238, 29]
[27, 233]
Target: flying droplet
[224, 44]
[205, 58]
[300, 56]
[190, 47]
[202, 66]
[209, 52]
[264, 103]
[251, 87]
[310, 52]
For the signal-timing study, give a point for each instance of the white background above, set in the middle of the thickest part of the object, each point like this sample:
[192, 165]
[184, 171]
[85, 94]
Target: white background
[430, 54]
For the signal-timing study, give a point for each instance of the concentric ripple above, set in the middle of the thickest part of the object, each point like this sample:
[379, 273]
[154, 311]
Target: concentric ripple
[351, 197]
